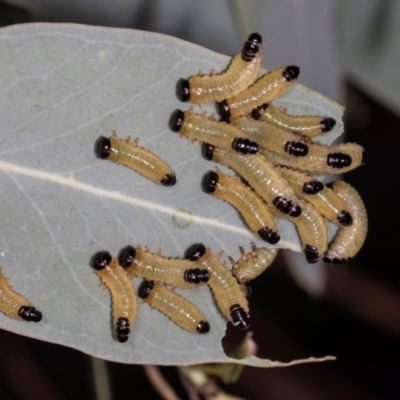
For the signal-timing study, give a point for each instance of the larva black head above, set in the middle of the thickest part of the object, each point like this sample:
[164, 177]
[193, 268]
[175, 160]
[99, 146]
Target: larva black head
[29, 313]
[168, 180]
[196, 276]
[176, 120]
[291, 72]
[223, 110]
[244, 146]
[207, 151]
[311, 253]
[259, 111]
[287, 206]
[122, 329]
[195, 251]
[338, 160]
[126, 256]
[327, 124]
[296, 149]
[102, 147]
[335, 261]
[209, 182]
[251, 47]
[268, 235]
[203, 327]
[364, 157]
[312, 187]
[100, 260]
[183, 90]
[345, 218]
[239, 317]
[145, 289]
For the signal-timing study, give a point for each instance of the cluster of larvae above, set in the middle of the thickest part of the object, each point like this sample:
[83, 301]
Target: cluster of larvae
[273, 153]
[14, 305]
[162, 275]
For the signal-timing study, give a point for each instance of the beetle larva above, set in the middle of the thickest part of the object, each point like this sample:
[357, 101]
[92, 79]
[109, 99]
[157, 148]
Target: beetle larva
[14, 305]
[178, 309]
[133, 156]
[307, 125]
[312, 230]
[325, 200]
[252, 264]
[270, 86]
[260, 174]
[154, 267]
[349, 240]
[227, 292]
[272, 137]
[323, 160]
[116, 280]
[254, 211]
[241, 73]
[220, 134]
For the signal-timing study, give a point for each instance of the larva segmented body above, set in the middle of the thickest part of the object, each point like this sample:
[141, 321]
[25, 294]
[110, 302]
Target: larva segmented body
[272, 137]
[312, 230]
[325, 200]
[178, 309]
[227, 292]
[252, 264]
[220, 134]
[323, 160]
[116, 280]
[14, 305]
[349, 240]
[254, 211]
[270, 86]
[307, 125]
[241, 73]
[154, 267]
[261, 175]
[135, 157]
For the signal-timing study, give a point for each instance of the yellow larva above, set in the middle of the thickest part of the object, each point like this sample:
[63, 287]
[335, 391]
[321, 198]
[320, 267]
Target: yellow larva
[312, 230]
[270, 86]
[272, 137]
[323, 160]
[349, 240]
[116, 280]
[154, 267]
[325, 200]
[14, 305]
[254, 211]
[306, 125]
[178, 309]
[252, 264]
[220, 134]
[261, 175]
[241, 73]
[227, 291]
[133, 156]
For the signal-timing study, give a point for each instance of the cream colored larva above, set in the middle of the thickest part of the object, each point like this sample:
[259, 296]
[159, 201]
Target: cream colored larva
[14, 305]
[135, 157]
[178, 309]
[240, 74]
[228, 294]
[270, 86]
[349, 239]
[116, 280]
[309, 126]
[177, 272]
[252, 264]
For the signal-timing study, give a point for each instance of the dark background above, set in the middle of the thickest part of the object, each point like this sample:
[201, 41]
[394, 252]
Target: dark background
[357, 319]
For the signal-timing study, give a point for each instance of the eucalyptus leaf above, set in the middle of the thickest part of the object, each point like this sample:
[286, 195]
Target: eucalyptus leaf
[61, 87]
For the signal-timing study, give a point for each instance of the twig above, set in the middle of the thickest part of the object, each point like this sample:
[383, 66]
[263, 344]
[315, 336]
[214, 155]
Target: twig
[159, 383]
